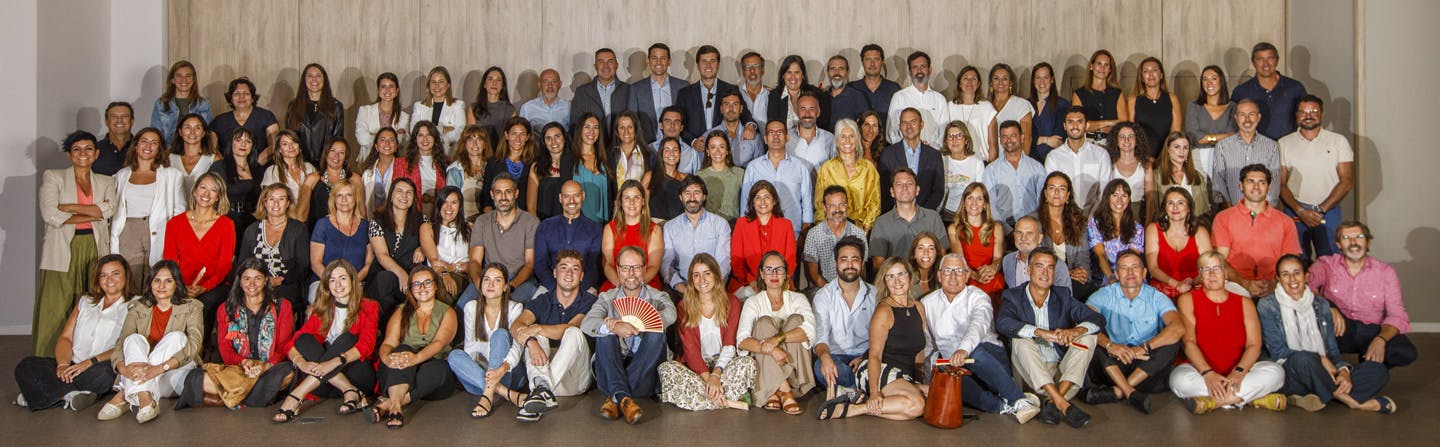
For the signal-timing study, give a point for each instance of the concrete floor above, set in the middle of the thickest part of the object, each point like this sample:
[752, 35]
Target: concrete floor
[576, 423]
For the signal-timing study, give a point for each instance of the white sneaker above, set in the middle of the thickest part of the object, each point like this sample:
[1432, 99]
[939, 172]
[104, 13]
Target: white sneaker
[111, 411]
[1025, 409]
[20, 401]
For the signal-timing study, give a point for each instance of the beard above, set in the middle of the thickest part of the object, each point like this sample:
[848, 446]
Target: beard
[919, 80]
[693, 206]
[836, 82]
[849, 274]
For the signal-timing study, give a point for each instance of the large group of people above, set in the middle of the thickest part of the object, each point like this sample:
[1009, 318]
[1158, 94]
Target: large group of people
[716, 246]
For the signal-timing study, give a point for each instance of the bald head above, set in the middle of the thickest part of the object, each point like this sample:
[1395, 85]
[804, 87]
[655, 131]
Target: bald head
[549, 84]
[572, 198]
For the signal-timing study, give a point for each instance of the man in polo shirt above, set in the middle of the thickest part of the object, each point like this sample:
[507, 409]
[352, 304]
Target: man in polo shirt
[557, 353]
[1253, 235]
[571, 230]
[1316, 173]
[627, 361]
[1278, 93]
[895, 229]
[842, 318]
[505, 235]
[1141, 338]
[821, 240]
[1366, 302]
[961, 318]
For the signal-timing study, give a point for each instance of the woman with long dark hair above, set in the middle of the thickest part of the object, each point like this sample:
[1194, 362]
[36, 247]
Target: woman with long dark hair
[384, 113]
[255, 330]
[1063, 223]
[553, 167]
[332, 350]
[315, 115]
[395, 241]
[490, 364]
[159, 345]
[1048, 131]
[445, 240]
[492, 105]
[1113, 228]
[412, 357]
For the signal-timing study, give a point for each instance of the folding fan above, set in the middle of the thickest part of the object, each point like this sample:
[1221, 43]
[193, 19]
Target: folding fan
[640, 314]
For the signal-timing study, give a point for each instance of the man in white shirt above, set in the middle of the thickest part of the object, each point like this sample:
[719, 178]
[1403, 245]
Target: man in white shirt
[808, 141]
[960, 318]
[933, 107]
[1087, 165]
[842, 318]
[1316, 173]
[549, 106]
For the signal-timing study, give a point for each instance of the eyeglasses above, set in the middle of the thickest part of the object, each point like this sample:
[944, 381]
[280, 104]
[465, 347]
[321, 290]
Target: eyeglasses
[1358, 237]
[422, 284]
[773, 270]
[952, 270]
[1212, 269]
[629, 268]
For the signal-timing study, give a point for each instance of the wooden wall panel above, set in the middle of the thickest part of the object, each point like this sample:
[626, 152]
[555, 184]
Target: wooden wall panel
[270, 40]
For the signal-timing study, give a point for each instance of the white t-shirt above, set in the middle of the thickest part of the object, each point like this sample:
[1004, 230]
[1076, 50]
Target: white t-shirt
[1312, 164]
[977, 117]
[959, 174]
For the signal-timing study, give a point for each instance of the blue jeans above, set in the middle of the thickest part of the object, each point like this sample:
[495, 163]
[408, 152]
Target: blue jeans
[638, 377]
[1304, 374]
[472, 374]
[1318, 241]
[844, 376]
[989, 387]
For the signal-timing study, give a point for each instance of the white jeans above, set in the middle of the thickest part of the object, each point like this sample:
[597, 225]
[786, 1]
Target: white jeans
[568, 371]
[168, 384]
[1263, 378]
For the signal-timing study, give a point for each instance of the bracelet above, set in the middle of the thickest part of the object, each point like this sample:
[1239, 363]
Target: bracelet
[779, 339]
[1382, 338]
[1208, 371]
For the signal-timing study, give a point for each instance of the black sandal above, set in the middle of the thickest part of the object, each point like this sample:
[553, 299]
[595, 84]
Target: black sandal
[398, 418]
[485, 404]
[828, 410]
[352, 406]
[374, 414]
[515, 397]
[283, 416]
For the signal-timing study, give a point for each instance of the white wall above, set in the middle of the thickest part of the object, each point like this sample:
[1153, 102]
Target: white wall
[66, 59]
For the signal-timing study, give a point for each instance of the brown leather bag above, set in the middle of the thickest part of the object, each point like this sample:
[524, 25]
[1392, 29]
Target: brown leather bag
[943, 408]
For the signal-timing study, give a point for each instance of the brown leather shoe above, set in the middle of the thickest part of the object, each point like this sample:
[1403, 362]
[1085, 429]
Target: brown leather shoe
[631, 409]
[609, 410]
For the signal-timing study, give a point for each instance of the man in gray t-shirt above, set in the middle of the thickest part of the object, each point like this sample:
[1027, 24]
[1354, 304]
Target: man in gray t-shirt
[506, 236]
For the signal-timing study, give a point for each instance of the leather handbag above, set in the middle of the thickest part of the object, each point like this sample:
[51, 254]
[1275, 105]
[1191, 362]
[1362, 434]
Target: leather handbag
[943, 407]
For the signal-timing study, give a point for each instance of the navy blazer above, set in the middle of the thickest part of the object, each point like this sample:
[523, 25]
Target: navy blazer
[1065, 312]
[692, 103]
[779, 108]
[587, 100]
[643, 104]
[930, 179]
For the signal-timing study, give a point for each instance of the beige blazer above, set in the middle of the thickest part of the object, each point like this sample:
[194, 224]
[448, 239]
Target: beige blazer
[57, 186]
[184, 318]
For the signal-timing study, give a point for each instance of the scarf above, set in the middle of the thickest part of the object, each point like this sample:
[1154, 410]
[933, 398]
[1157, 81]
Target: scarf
[239, 336]
[1302, 331]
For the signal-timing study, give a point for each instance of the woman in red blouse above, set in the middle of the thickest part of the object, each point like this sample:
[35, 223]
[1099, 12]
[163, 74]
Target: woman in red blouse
[202, 241]
[709, 374]
[760, 231]
[1222, 343]
[632, 226]
[332, 351]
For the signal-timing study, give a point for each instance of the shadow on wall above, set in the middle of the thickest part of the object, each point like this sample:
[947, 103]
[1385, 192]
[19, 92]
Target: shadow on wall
[24, 227]
[1418, 273]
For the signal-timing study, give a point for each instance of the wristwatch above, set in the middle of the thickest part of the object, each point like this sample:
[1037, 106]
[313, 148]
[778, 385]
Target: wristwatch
[165, 366]
[1240, 368]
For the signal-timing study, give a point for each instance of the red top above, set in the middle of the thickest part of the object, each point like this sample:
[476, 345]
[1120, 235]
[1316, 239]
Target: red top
[81, 198]
[628, 237]
[691, 352]
[749, 243]
[159, 319]
[367, 325]
[280, 340]
[1181, 265]
[214, 252]
[1220, 331]
[402, 169]
[978, 255]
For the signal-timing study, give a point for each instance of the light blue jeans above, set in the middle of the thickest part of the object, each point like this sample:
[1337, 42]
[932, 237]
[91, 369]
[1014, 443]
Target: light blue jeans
[471, 372]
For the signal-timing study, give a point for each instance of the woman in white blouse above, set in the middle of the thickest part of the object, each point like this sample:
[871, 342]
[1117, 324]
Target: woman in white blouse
[377, 171]
[445, 240]
[777, 326]
[81, 372]
[1002, 90]
[290, 169]
[193, 151]
[150, 194]
[385, 112]
[962, 166]
[441, 107]
[969, 106]
[708, 375]
[491, 363]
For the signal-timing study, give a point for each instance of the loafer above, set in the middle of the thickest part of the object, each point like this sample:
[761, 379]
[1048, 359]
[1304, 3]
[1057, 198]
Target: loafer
[81, 400]
[609, 410]
[1050, 414]
[111, 411]
[1101, 395]
[1076, 417]
[1309, 402]
[632, 410]
[1140, 400]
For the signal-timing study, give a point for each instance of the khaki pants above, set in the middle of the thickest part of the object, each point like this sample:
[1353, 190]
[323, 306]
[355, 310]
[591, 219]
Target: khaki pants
[770, 374]
[1036, 372]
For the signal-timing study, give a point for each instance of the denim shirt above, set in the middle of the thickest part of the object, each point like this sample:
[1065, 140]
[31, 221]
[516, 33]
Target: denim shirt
[1272, 329]
[166, 121]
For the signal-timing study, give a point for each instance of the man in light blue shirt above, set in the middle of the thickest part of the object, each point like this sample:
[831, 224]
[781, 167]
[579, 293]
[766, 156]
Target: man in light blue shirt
[842, 317]
[790, 175]
[1141, 338]
[1015, 180]
[744, 135]
[697, 231]
[549, 106]
[650, 96]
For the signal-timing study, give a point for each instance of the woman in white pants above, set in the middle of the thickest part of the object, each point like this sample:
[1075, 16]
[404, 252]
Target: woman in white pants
[159, 345]
[1222, 342]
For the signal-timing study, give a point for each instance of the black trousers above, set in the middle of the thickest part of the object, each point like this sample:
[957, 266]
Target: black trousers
[210, 351]
[385, 288]
[1399, 351]
[430, 380]
[36, 379]
[1162, 359]
[360, 373]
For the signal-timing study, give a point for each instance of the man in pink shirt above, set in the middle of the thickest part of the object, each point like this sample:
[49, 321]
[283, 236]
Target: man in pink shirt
[1370, 317]
[1253, 235]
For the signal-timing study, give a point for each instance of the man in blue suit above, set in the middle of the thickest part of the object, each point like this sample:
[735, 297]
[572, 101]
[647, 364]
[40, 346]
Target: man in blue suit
[1052, 337]
[650, 96]
[605, 96]
[701, 100]
[922, 159]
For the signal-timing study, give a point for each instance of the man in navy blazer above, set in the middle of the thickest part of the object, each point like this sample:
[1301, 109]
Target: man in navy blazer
[642, 93]
[588, 97]
[930, 169]
[1052, 337]
[701, 101]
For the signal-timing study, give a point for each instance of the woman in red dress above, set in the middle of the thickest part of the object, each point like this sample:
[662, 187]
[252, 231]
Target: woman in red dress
[202, 241]
[980, 239]
[632, 226]
[762, 230]
[1173, 244]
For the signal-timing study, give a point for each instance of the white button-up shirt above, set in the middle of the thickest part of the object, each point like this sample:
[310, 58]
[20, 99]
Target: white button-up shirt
[960, 323]
[845, 329]
[934, 111]
[1089, 169]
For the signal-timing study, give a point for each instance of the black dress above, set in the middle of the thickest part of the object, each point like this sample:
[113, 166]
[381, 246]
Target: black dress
[665, 200]
[1154, 117]
[1099, 106]
[244, 196]
[905, 341]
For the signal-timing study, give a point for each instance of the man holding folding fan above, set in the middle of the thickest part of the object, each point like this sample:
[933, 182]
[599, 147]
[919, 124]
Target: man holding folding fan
[627, 357]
